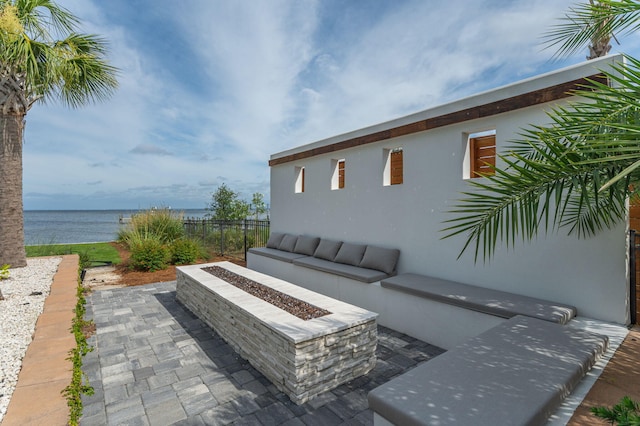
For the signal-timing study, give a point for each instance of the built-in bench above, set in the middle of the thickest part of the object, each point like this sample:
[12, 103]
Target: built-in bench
[517, 373]
[480, 299]
[510, 360]
[360, 262]
[441, 312]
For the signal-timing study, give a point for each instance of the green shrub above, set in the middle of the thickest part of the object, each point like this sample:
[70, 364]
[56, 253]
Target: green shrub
[4, 272]
[149, 254]
[85, 259]
[233, 240]
[185, 251]
[163, 224]
[626, 412]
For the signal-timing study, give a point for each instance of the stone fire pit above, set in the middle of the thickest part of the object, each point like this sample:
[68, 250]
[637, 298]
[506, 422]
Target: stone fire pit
[302, 358]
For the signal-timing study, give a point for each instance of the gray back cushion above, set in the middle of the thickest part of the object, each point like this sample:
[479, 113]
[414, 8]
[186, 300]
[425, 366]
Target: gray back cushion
[350, 254]
[275, 239]
[288, 242]
[327, 249]
[306, 245]
[380, 259]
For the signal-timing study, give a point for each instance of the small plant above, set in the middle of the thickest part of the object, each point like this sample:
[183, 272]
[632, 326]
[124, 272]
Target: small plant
[625, 413]
[185, 251]
[149, 255]
[73, 393]
[4, 272]
[85, 259]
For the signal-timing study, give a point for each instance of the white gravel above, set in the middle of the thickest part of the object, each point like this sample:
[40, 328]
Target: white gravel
[18, 314]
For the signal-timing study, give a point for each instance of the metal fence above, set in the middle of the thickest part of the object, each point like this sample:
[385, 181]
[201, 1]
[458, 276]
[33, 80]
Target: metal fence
[228, 238]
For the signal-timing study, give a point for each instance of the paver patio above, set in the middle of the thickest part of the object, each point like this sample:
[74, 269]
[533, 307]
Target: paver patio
[155, 363]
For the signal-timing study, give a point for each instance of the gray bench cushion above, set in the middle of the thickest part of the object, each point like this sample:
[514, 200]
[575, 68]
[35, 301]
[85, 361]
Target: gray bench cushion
[488, 301]
[517, 373]
[350, 254]
[382, 259]
[327, 249]
[306, 245]
[349, 271]
[275, 239]
[285, 256]
[288, 242]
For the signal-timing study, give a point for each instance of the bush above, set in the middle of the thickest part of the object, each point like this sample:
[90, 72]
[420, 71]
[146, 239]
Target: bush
[4, 272]
[85, 259]
[185, 251]
[626, 412]
[233, 240]
[163, 224]
[149, 254]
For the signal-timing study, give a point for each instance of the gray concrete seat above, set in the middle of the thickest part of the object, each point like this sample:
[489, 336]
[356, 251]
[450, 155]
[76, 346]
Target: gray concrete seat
[493, 302]
[354, 272]
[517, 373]
[365, 263]
[282, 255]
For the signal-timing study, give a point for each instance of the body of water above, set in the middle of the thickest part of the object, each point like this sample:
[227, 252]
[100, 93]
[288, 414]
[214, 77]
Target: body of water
[78, 226]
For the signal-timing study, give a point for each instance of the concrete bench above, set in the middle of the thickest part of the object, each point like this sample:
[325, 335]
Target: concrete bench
[516, 373]
[283, 256]
[493, 302]
[357, 273]
[360, 262]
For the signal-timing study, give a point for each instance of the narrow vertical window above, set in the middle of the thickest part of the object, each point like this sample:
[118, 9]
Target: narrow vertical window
[299, 187]
[396, 167]
[337, 174]
[480, 154]
[393, 167]
[483, 155]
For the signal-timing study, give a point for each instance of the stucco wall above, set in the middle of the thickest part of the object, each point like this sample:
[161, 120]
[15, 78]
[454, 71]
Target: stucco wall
[589, 274]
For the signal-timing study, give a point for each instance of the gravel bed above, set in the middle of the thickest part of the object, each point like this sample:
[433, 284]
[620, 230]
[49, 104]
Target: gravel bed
[24, 294]
[297, 307]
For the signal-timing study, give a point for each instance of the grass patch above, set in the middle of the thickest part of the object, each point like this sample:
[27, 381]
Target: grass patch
[96, 254]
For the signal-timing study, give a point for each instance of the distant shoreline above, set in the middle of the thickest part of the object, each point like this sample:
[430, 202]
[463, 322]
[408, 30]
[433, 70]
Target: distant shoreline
[49, 227]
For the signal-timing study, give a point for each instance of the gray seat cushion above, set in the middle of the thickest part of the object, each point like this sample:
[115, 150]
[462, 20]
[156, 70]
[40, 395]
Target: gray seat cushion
[327, 249]
[382, 259]
[488, 301]
[517, 373]
[288, 242]
[350, 254]
[306, 245]
[284, 256]
[349, 271]
[275, 239]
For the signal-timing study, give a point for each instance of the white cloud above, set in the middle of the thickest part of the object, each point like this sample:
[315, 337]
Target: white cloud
[209, 89]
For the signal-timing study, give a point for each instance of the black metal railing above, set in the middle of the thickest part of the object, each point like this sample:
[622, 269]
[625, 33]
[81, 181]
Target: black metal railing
[228, 238]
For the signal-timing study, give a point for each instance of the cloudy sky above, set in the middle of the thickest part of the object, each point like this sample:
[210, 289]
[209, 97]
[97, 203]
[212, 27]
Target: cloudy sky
[210, 88]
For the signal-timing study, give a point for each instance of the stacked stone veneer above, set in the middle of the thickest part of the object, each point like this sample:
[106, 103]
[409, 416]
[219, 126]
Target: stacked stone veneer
[301, 358]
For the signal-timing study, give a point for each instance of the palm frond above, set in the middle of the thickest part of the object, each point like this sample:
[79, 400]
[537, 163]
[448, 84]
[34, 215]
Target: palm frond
[574, 174]
[72, 68]
[587, 22]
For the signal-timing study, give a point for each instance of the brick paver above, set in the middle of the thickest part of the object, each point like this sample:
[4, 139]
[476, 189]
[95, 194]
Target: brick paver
[155, 363]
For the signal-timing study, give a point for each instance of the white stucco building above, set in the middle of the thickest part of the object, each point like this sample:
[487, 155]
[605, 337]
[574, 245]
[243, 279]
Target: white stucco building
[344, 188]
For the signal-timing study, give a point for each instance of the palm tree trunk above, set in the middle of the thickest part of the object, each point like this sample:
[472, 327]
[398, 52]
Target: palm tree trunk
[11, 214]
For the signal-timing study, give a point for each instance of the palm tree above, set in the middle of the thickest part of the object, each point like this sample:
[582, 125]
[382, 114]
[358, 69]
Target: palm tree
[577, 173]
[593, 25]
[42, 58]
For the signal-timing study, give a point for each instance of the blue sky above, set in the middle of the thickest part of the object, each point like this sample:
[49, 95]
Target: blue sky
[209, 89]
